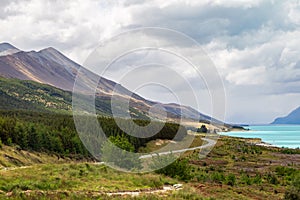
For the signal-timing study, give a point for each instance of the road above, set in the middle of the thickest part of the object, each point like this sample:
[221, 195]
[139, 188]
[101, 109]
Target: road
[210, 143]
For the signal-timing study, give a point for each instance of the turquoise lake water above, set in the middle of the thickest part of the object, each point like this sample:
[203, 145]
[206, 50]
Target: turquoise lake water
[278, 135]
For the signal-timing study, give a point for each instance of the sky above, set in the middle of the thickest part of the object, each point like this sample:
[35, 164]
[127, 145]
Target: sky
[254, 44]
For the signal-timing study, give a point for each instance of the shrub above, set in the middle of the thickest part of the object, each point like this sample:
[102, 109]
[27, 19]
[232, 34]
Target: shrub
[293, 191]
[284, 171]
[272, 179]
[257, 179]
[231, 180]
[202, 129]
[9, 142]
[246, 179]
[179, 169]
[119, 152]
[202, 177]
[217, 177]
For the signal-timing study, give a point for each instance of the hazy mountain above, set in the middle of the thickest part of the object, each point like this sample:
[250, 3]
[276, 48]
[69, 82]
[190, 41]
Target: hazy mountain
[7, 49]
[51, 67]
[292, 118]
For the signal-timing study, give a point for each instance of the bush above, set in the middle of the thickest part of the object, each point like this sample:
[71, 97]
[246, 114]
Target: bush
[179, 169]
[202, 129]
[293, 192]
[272, 179]
[246, 179]
[119, 152]
[285, 171]
[202, 177]
[217, 177]
[257, 179]
[231, 180]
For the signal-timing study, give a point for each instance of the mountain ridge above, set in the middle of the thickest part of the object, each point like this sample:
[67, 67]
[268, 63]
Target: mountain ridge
[50, 66]
[292, 118]
[7, 49]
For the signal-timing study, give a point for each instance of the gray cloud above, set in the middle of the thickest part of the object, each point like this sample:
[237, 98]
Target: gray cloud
[254, 44]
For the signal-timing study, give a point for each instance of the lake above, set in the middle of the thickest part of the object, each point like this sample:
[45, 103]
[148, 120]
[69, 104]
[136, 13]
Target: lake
[278, 135]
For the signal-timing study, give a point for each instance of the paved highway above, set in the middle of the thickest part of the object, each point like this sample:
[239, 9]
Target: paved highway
[210, 143]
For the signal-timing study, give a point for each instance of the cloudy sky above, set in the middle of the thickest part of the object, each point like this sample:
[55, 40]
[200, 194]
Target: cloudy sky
[254, 44]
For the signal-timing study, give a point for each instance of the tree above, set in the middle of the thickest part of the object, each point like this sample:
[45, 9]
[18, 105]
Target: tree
[119, 152]
[202, 129]
[179, 168]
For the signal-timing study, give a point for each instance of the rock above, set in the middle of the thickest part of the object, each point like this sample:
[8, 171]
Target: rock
[177, 186]
[9, 194]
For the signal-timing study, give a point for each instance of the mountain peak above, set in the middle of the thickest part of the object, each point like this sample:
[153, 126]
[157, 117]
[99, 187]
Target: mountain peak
[6, 46]
[7, 49]
[50, 51]
[292, 118]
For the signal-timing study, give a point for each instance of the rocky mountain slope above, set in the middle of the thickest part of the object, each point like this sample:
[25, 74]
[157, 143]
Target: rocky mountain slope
[49, 66]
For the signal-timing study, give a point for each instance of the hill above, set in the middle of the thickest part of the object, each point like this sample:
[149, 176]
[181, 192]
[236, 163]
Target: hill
[51, 67]
[292, 118]
[29, 95]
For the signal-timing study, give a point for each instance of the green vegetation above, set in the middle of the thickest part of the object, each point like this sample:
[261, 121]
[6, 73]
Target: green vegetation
[290, 151]
[218, 176]
[179, 169]
[80, 180]
[202, 129]
[56, 133]
[29, 95]
[47, 143]
[115, 151]
[293, 191]
[237, 169]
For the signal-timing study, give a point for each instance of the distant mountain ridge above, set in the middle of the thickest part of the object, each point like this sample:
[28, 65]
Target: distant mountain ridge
[292, 118]
[7, 49]
[49, 66]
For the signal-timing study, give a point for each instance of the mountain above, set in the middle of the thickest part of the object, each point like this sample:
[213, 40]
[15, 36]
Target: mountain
[7, 49]
[18, 94]
[292, 118]
[49, 66]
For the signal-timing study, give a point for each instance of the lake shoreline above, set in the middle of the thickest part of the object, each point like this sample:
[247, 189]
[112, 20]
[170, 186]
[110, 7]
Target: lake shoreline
[279, 136]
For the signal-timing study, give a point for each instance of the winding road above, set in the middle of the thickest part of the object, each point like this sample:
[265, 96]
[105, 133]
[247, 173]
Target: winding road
[210, 143]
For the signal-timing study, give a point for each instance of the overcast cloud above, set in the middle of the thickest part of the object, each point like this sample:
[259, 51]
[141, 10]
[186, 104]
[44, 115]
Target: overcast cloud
[254, 44]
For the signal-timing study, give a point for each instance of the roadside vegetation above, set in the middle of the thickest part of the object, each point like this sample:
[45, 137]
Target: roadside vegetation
[56, 133]
[42, 157]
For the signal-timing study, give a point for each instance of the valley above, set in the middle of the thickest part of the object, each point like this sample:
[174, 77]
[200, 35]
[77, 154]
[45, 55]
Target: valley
[43, 157]
[235, 169]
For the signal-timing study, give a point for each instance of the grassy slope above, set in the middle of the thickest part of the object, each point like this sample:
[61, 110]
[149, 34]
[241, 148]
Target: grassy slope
[29, 95]
[87, 180]
[11, 157]
[260, 172]
[32, 96]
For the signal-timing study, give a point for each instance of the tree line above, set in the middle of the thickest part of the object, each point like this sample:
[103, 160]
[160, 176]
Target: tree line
[56, 133]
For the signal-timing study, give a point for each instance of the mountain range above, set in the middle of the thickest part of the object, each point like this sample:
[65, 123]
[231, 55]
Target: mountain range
[44, 79]
[292, 118]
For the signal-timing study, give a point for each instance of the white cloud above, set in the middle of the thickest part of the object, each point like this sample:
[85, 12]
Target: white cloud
[249, 76]
[254, 43]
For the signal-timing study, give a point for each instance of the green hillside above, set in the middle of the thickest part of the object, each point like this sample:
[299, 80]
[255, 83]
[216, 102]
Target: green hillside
[29, 95]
